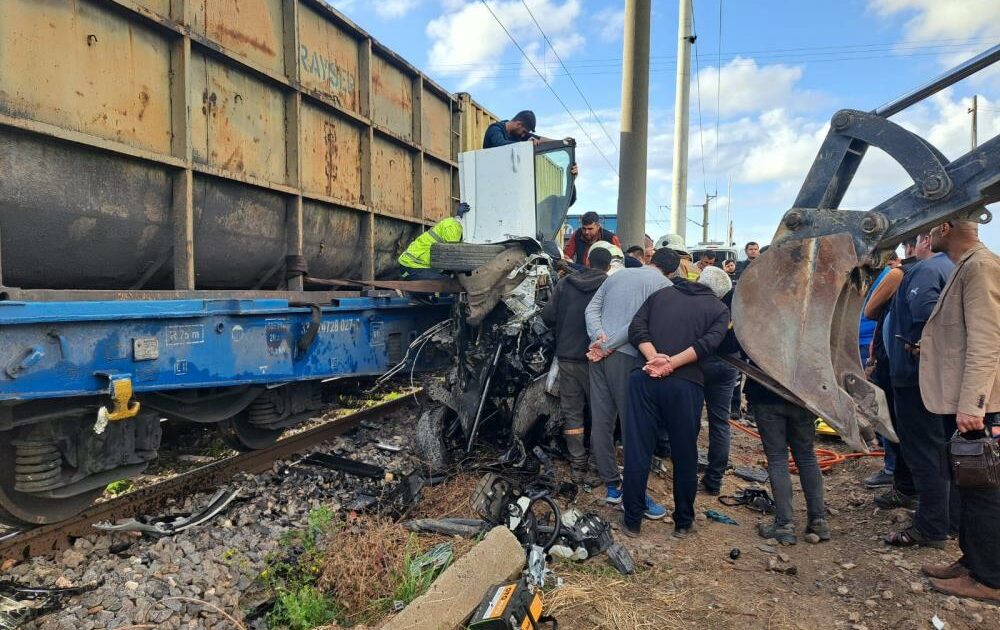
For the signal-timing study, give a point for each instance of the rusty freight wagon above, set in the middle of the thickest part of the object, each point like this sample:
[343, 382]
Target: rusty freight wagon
[172, 172]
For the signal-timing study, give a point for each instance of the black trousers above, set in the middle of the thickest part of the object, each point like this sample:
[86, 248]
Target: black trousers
[657, 404]
[923, 439]
[977, 533]
[902, 478]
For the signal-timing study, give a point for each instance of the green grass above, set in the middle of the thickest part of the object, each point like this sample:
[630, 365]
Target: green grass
[119, 487]
[301, 609]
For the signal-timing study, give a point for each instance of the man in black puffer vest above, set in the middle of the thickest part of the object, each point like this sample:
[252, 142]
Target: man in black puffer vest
[565, 311]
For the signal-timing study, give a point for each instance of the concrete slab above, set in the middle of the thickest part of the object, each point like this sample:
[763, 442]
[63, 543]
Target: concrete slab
[457, 591]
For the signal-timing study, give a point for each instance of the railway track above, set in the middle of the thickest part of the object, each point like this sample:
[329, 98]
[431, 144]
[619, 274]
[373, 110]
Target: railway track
[50, 539]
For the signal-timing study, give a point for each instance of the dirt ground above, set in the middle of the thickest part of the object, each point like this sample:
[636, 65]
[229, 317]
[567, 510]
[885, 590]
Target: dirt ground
[853, 581]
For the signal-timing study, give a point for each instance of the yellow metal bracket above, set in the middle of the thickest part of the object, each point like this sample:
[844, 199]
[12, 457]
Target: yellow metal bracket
[122, 405]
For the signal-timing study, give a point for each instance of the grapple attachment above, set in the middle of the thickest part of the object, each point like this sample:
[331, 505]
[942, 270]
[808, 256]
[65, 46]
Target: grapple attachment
[796, 314]
[797, 307]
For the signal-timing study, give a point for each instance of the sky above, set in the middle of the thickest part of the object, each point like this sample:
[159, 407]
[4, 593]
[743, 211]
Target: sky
[786, 68]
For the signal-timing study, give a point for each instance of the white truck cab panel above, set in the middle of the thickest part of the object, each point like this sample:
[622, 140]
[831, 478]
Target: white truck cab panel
[518, 190]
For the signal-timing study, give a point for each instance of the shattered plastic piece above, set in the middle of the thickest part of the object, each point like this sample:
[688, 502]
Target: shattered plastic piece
[173, 524]
[621, 559]
[465, 527]
[562, 551]
[719, 517]
[392, 448]
[20, 604]
[734, 553]
[758, 475]
[754, 498]
[938, 624]
[536, 572]
[437, 557]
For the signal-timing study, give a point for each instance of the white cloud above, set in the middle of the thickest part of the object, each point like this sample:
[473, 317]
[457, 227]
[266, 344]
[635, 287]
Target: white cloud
[395, 8]
[467, 42]
[943, 19]
[611, 24]
[749, 87]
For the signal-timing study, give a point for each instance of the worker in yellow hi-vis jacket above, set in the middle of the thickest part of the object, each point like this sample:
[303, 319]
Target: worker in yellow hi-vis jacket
[415, 262]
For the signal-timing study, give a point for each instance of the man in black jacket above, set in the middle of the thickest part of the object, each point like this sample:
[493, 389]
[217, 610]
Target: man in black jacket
[565, 310]
[674, 329]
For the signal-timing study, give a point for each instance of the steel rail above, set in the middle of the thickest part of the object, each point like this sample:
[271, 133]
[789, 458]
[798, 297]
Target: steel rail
[48, 540]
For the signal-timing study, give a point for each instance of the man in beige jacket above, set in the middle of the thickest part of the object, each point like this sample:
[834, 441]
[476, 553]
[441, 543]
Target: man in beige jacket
[960, 376]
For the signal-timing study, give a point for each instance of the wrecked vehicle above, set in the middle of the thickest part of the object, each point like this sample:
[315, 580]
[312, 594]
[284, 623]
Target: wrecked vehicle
[500, 387]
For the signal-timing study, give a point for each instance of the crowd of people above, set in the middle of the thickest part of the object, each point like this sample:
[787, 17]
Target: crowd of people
[650, 346]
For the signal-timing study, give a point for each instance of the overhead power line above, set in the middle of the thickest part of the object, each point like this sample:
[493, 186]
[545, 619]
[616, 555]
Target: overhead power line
[549, 85]
[570, 75]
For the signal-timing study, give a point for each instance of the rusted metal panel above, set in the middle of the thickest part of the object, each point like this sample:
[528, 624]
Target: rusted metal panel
[436, 190]
[73, 217]
[328, 60]
[331, 236]
[436, 124]
[251, 28]
[237, 122]
[392, 236]
[81, 66]
[392, 98]
[392, 177]
[161, 7]
[331, 155]
[474, 120]
[249, 221]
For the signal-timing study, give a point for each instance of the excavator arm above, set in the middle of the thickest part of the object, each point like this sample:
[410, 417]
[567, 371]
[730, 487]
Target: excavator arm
[796, 308]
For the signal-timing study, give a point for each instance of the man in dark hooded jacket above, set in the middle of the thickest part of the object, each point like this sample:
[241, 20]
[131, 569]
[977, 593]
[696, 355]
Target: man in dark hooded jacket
[565, 311]
[675, 328]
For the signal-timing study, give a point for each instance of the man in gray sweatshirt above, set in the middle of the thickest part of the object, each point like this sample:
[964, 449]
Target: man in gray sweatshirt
[608, 317]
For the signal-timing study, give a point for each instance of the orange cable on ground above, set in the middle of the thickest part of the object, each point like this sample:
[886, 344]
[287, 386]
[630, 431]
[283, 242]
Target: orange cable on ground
[827, 459]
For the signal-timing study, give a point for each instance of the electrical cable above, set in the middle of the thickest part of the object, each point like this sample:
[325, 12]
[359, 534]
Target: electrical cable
[826, 458]
[548, 85]
[568, 74]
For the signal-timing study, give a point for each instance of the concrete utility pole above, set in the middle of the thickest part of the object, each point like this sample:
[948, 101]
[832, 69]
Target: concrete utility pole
[974, 110]
[635, 123]
[678, 210]
[704, 218]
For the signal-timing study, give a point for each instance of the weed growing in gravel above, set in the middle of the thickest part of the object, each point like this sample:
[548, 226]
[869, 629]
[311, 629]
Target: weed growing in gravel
[118, 487]
[292, 576]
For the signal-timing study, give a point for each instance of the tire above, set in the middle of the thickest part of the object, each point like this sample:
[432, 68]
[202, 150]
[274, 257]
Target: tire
[463, 256]
[429, 443]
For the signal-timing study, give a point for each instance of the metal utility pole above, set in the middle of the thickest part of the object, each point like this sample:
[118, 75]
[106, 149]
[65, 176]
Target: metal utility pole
[704, 218]
[678, 214]
[974, 110]
[635, 122]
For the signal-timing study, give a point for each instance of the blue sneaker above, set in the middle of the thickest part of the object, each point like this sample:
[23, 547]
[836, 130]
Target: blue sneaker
[654, 511]
[614, 495]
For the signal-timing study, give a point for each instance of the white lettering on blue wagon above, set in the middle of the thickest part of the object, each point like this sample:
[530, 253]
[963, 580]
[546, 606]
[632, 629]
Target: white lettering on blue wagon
[185, 335]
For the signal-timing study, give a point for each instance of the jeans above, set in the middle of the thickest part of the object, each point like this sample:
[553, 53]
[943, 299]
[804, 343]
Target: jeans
[574, 390]
[608, 402]
[720, 380]
[923, 438]
[673, 404]
[783, 426]
[893, 461]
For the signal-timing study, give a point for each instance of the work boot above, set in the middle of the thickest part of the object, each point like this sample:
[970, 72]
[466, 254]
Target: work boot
[880, 479]
[966, 586]
[584, 476]
[820, 527]
[945, 571]
[893, 498]
[784, 534]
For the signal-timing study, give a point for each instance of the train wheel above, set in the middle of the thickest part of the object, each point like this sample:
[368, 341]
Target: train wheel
[20, 509]
[240, 434]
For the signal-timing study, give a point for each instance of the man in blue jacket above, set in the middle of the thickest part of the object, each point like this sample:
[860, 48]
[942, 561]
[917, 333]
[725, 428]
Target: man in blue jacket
[923, 436]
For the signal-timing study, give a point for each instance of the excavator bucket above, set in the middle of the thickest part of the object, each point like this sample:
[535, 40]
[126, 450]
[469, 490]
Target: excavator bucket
[797, 307]
[795, 313]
